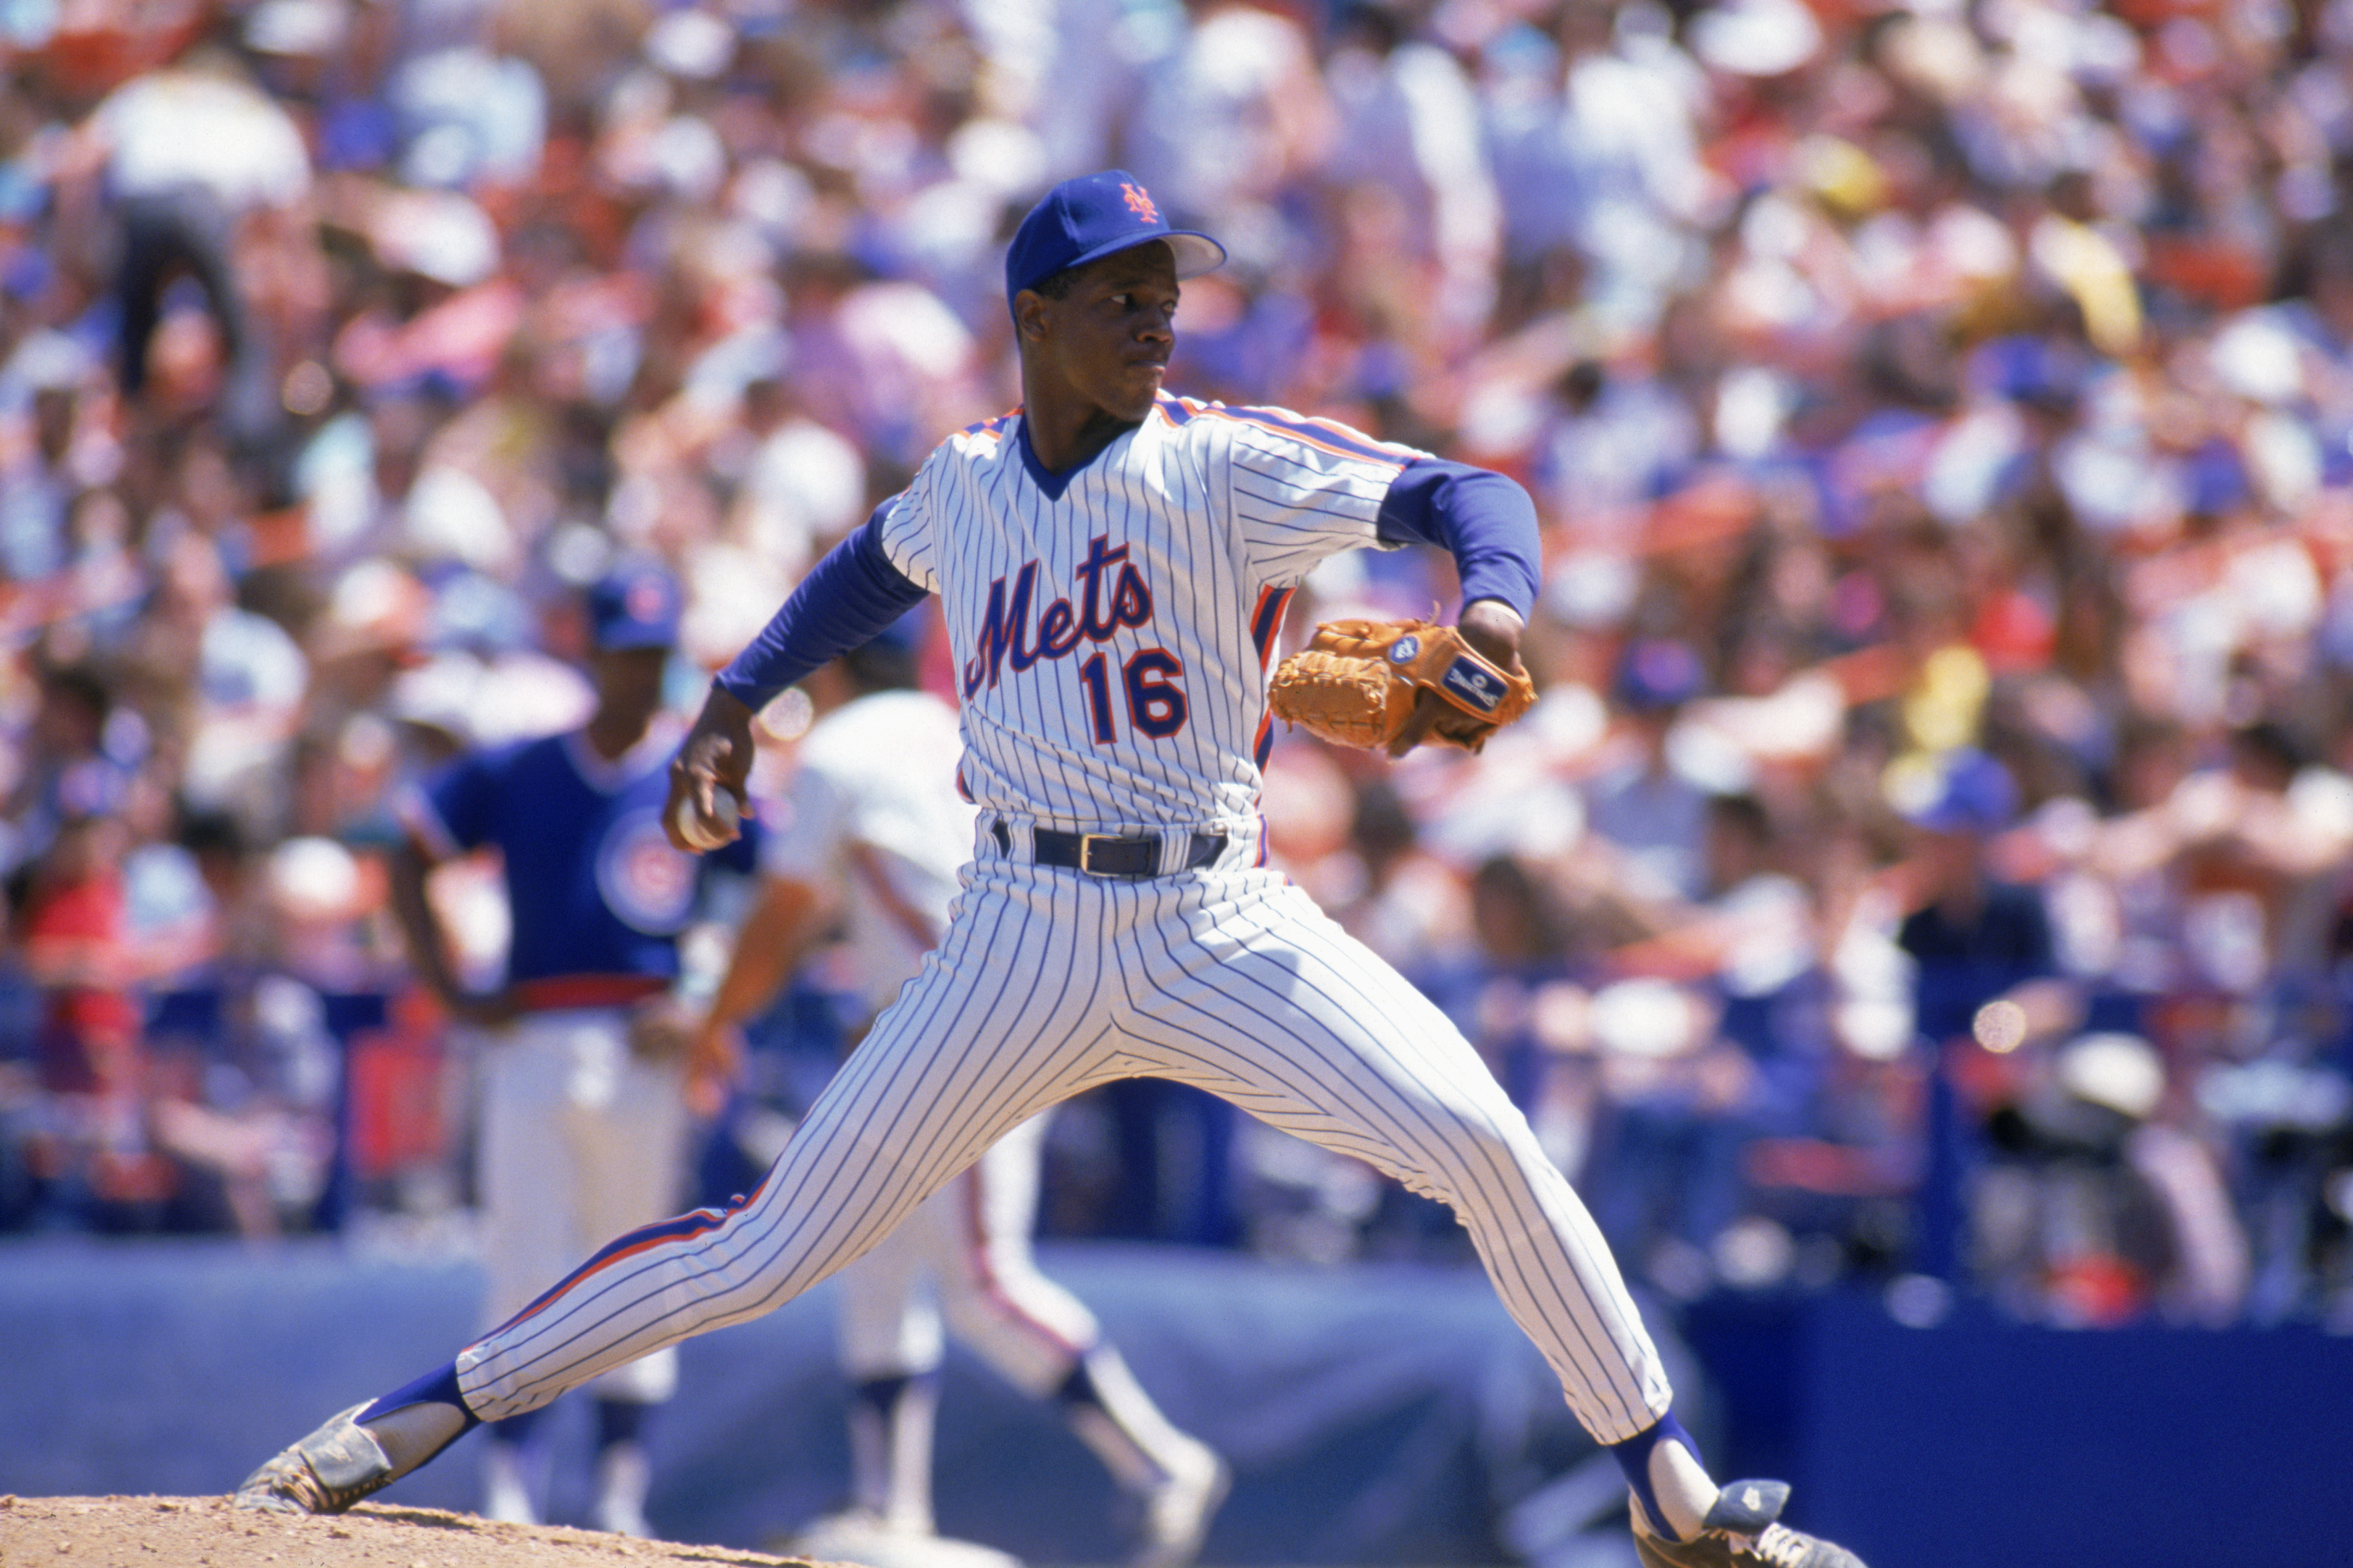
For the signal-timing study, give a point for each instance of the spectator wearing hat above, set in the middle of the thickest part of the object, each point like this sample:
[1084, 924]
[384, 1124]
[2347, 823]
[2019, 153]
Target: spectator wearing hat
[584, 1080]
[1985, 979]
[1640, 803]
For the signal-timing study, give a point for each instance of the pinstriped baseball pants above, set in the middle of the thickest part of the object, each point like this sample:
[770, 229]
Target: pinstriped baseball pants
[1048, 983]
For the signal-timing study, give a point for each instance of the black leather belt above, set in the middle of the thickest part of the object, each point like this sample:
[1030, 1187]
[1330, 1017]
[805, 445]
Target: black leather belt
[1108, 855]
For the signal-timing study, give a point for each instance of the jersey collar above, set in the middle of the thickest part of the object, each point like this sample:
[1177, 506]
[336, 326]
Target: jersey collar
[1045, 479]
[607, 777]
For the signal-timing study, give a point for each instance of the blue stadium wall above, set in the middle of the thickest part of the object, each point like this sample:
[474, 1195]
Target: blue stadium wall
[1375, 1416]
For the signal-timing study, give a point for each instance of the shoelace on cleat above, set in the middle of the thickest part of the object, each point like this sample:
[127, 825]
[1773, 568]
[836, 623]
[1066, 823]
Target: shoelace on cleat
[1781, 1547]
[289, 1475]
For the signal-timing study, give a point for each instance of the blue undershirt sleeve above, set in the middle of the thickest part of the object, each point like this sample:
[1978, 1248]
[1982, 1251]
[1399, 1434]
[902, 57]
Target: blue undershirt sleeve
[1487, 522]
[847, 597]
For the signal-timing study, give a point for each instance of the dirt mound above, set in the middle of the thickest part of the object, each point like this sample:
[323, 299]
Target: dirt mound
[204, 1532]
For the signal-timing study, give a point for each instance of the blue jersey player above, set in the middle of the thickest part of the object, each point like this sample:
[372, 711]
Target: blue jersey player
[583, 1092]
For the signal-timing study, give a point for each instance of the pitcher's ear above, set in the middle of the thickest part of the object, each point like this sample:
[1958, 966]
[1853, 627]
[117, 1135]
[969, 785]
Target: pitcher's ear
[1029, 314]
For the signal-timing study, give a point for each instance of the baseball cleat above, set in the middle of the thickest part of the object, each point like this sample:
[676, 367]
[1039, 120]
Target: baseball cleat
[1176, 1515]
[1742, 1531]
[326, 1472]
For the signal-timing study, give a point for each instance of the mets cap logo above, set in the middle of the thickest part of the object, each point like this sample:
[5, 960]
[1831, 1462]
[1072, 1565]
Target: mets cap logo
[1139, 202]
[648, 885]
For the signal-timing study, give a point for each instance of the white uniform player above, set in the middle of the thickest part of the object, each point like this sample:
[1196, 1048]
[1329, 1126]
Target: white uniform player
[1113, 564]
[871, 835]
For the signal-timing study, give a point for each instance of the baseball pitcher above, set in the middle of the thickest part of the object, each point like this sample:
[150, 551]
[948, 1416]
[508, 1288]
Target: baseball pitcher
[1112, 564]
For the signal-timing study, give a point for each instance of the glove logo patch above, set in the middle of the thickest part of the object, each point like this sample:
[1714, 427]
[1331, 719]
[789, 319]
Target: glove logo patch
[1406, 651]
[1474, 685]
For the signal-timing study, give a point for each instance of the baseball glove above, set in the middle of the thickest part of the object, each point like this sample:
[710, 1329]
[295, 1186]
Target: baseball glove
[1356, 684]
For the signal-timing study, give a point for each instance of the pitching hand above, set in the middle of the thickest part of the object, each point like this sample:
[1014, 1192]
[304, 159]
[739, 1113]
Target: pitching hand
[714, 761]
[1491, 626]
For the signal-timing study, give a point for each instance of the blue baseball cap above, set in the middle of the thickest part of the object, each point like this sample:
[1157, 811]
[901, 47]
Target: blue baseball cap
[636, 604]
[1091, 217]
[1972, 792]
[1658, 673]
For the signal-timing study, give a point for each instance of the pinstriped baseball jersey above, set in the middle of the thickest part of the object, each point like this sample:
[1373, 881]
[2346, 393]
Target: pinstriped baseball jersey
[1101, 617]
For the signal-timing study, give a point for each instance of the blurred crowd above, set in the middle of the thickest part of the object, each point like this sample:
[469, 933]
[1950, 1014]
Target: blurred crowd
[1928, 861]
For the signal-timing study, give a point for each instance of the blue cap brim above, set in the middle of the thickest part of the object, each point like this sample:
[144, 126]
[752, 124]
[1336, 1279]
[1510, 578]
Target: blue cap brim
[1196, 252]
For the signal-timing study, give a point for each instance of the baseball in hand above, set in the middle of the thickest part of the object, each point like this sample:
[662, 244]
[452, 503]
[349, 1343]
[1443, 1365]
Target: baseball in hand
[690, 826]
[1999, 1026]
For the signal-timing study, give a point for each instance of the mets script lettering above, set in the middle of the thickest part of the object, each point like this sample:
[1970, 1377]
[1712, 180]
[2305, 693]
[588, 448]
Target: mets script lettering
[1106, 602]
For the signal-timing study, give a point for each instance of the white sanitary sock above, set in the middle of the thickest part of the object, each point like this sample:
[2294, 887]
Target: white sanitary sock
[1682, 1487]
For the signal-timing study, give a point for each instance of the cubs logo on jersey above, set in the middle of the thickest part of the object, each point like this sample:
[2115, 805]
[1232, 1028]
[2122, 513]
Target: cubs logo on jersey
[646, 883]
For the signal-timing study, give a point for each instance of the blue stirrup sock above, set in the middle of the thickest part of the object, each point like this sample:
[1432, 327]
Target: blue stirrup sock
[438, 1387]
[417, 1420]
[1633, 1457]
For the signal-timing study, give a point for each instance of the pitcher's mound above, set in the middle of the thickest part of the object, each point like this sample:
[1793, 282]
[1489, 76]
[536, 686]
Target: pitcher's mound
[205, 1532]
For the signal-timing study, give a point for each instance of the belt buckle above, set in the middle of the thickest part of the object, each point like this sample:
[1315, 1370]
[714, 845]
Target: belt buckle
[1087, 842]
